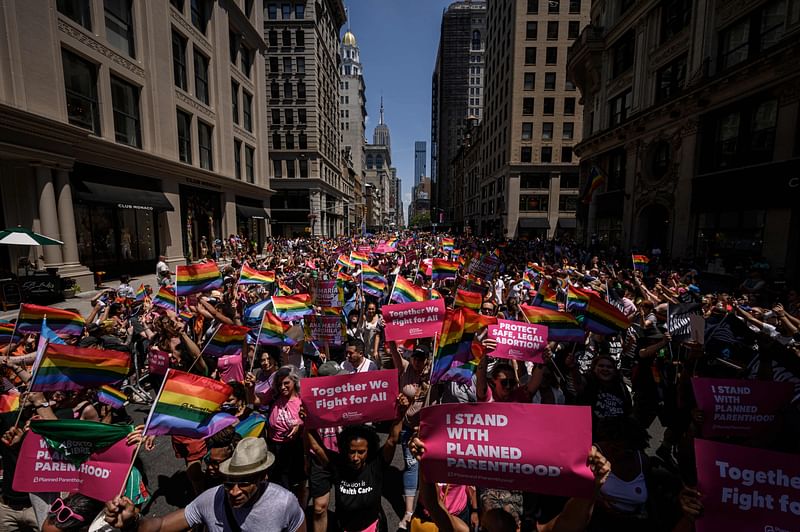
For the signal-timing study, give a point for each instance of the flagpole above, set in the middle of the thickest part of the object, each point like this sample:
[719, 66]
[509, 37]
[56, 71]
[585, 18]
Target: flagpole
[204, 348]
[552, 362]
[13, 333]
[37, 362]
[430, 376]
[258, 337]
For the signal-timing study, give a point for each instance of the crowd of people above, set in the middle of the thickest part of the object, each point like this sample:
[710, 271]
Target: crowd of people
[636, 382]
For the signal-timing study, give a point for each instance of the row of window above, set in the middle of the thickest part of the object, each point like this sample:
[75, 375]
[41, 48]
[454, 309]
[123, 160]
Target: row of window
[288, 90]
[286, 141]
[287, 11]
[567, 130]
[288, 117]
[529, 82]
[550, 56]
[118, 15]
[545, 154]
[290, 65]
[532, 30]
[294, 168]
[569, 180]
[286, 38]
[554, 7]
[246, 107]
[548, 106]
[541, 202]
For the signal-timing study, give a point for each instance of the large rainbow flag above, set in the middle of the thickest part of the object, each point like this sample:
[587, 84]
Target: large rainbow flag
[6, 332]
[197, 278]
[467, 299]
[561, 326]
[165, 298]
[111, 396]
[359, 257]
[273, 331]
[67, 367]
[546, 296]
[289, 308]
[443, 269]
[457, 356]
[228, 340]
[60, 321]
[577, 298]
[9, 401]
[250, 275]
[448, 244]
[345, 262]
[604, 318]
[141, 294]
[596, 180]
[188, 406]
[372, 281]
[406, 292]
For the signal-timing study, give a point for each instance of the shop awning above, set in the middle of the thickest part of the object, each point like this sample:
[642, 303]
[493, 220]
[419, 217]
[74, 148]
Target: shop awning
[245, 211]
[124, 198]
[567, 223]
[534, 223]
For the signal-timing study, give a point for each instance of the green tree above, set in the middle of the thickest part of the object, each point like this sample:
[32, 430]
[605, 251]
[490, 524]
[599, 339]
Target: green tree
[422, 219]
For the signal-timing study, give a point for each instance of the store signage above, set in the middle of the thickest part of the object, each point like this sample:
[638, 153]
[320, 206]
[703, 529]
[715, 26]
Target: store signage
[129, 206]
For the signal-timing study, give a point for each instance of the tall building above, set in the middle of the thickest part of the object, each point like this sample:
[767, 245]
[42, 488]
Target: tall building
[353, 114]
[302, 58]
[693, 115]
[458, 85]
[381, 206]
[529, 174]
[420, 160]
[130, 130]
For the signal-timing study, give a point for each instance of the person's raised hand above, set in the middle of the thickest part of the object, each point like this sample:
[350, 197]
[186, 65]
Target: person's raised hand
[402, 402]
[690, 502]
[489, 344]
[250, 380]
[417, 448]
[12, 437]
[599, 466]
[120, 512]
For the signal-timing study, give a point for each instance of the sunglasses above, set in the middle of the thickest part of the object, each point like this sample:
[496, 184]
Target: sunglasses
[62, 512]
[243, 484]
[507, 383]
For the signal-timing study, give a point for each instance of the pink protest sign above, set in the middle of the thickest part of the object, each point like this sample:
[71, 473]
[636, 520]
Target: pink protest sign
[327, 294]
[158, 362]
[325, 329]
[485, 267]
[350, 399]
[520, 341]
[100, 477]
[744, 488]
[734, 407]
[497, 445]
[420, 319]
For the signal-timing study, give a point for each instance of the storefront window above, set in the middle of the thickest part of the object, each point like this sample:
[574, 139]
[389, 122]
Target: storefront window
[114, 239]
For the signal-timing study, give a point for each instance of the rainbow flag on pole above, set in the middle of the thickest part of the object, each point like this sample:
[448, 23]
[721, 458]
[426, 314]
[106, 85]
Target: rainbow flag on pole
[252, 426]
[561, 326]
[228, 340]
[604, 318]
[273, 331]
[448, 244]
[406, 292]
[577, 299]
[640, 262]
[289, 308]
[359, 257]
[197, 278]
[6, 333]
[596, 180]
[111, 396]
[141, 293]
[457, 356]
[9, 401]
[546, 296]
[67, 367]
[345, 262]
[60, 321]
[443, 269]
[188, 405]
[372, 281]
[467, 299]
[165, 298]
[250, 275]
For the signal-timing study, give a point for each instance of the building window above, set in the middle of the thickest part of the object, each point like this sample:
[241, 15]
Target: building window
[249, 166]
[233, 46]
[289, 141]
[573, 29]
[247, 60]
[80, 85]
[287, 65]
[567, 202]
[300, 38]
[533, 202]
[301, 90]
[290, 168]
[299, 11]
[287, 38]
[552, 30]
[272, 11]
[276, 141]
[119, 25]
[526, 154]
[547, 131]
[276, 117]
[549, 107]
[670, 79]
[200, 15]
[184, 137]
[204, 138]
[77, 10]
[530, 55]
[177, 4]
[273, 65]
[550, 81]
[286, 11]
[527, 106]
[301, 65]
[277, 169]
[743, 136]
[288, 90]
[574, 7]
[302, 138]
[537, 180]
[235, 100]
[569, 85]
[553, 6]
[303, 163]
[547, 154]
[247, 110]
[476, 40]
[568, 131]
[272, 38]
[533, 7]
[531, 30]
[569, 106]
[551, 56]
[248, 8]
[619, 108]
[274, 90]
[529, 81]
[617, 164]
[201, 77]
[675, 15]
[125, 101]
[237, 159]
[527, 130]
[753, 34]
[570, 180]
[301, 116]
[566, 154]
[622, 53]
[288, 114]
[179, 60]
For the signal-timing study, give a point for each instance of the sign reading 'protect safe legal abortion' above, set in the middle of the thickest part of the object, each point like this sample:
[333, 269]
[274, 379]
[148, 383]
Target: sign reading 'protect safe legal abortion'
[422, 319]
[497, 445]
[520, 341]
[350, 399]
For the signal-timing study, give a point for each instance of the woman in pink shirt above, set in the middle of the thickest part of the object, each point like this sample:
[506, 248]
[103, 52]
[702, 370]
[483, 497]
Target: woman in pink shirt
[285, 431]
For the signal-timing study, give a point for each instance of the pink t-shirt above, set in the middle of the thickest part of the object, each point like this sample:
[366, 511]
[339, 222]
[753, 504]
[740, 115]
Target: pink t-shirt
[230, 368]
[455, 497]
[285, 415]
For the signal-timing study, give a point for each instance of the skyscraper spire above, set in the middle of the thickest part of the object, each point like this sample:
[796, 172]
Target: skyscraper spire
[381, 122]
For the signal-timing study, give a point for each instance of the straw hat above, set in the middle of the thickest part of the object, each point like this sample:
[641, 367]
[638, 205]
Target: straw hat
[250, 457]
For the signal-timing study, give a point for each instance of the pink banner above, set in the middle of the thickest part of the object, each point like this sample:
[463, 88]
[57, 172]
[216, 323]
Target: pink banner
[328, 329]
[735, 407]
[496, 445]
[350, 399]
[744, 488]
[158, 362]
[327, 294]
[520, 341]
[406, 321]
[100, 477]
[484, 267]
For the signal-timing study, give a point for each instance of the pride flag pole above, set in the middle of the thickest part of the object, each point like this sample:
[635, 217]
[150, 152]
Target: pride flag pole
[552, 362]
[203, 350]
[258, 337]
[40, 349]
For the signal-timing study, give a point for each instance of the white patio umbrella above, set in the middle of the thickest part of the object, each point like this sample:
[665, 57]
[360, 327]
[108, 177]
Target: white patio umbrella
[20, 236]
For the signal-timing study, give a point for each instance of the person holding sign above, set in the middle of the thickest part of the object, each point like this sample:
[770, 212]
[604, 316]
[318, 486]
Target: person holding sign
[502, 385]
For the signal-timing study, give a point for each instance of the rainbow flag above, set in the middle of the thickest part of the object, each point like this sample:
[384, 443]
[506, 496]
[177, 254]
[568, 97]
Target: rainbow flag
[187, 406]
[443, 269]
[359, 257]
[291, 308]
[406, 292]
[284, 290]
[435, 294]
[561, 326]
[448, 244]
[342, 277]
[372, 282]
[250, 275]
[111, 396]
[470, 300]
[197, 278]
[165, 298]
[546, 296]
[67, 367]
[252, 426]
[273, 331]
[345, 262]
[330, 311]
[227, 340]
[60, 321]
[577, 299]
[640, 262]
[9, 401]
[141, 294]
[596, 180]
[457, 356]
[186, 315]
[604, 318]
[6, 333]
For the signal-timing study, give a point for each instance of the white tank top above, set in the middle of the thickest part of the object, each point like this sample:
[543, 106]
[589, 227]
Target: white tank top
[626, 496]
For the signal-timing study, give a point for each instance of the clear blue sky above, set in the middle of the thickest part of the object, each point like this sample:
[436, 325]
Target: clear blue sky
[398, 40]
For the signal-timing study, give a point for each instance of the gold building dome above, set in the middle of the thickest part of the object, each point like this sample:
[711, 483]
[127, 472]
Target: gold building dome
[349, 39]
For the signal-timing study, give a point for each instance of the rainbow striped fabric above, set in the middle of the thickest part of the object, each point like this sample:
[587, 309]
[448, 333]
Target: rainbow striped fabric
[342, 277]
[6, 332]
[466, 299]
[252, 426]
[289, 308]
[165, 298]
[640, 262]
[577, 299]
[67, 367]
[284, 289]
[273, 331]
[228, 340]
[186, 315]
[561, 326]
[457, 356]
[197, 278]
[596, 180]
[448, 244]
[546, 296]
[250, 275]
[141, 294]
[604, 318]
[9, 401]
[111, 396]
[62, 322]
[345, 262]
[372, 281]
[406, 292]
[359, 257]
[443, 269]
[188, 406]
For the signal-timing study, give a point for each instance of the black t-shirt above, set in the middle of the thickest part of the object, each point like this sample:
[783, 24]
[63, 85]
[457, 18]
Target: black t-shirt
[358, 494]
